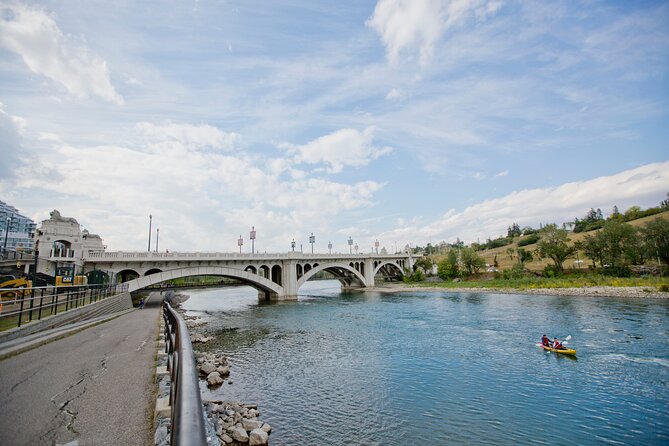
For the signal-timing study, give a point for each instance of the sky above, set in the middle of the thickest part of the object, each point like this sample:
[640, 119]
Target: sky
[406, 122]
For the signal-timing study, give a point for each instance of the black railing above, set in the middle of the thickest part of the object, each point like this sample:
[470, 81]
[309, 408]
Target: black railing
[21, 305]
[187, 415]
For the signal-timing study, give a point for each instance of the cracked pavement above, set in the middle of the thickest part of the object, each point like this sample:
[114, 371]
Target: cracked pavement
[95, 386]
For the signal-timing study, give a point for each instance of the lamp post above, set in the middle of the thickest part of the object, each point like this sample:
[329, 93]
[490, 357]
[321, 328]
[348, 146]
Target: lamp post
[356, 248]
[330, 247]
[150, 218]
[253, 239]
[376, 245]
[350, 245]
[157, 234]
[292, 245]
[240, 242]
[9, 222]
[312, 240]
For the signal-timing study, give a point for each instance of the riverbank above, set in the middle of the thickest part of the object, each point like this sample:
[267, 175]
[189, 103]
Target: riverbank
[589, 291]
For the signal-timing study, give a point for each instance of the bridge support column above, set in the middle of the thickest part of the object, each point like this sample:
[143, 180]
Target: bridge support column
[369, 272]
[289, 280]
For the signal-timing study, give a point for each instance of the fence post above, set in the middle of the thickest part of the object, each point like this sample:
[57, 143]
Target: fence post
[41, 302]
[23, 292]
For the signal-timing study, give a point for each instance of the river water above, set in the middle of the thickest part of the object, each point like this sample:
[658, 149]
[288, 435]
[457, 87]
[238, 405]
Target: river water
[443, 368]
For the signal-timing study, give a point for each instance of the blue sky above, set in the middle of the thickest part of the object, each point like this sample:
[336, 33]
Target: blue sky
[403, 121]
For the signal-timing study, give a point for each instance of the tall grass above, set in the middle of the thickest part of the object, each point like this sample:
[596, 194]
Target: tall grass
[571, 281]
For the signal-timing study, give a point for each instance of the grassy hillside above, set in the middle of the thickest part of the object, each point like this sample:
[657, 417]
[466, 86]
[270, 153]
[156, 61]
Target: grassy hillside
[505, 260]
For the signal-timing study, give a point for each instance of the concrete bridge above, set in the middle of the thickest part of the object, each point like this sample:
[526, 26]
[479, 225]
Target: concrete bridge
[275, 276]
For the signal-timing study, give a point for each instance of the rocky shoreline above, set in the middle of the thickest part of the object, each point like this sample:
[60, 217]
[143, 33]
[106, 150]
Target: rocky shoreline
[592, 291]
[234, 423]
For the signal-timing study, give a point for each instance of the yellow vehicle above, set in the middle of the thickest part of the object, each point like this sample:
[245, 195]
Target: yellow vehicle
[16, 284]
[69, 280]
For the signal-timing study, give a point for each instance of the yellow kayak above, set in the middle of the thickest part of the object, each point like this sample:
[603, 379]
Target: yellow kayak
[564, 351]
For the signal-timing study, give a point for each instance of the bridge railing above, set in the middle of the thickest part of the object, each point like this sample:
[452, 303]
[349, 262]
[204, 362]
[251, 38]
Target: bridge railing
[187, 415]
[19, 306]
[145, 255]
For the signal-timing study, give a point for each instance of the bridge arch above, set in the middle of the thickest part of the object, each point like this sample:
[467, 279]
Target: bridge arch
[389, 267]
[126, 275]
[153, 271]
[256, 281]
[346, 274]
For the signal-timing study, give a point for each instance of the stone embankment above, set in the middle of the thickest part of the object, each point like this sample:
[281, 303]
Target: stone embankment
[235, 423]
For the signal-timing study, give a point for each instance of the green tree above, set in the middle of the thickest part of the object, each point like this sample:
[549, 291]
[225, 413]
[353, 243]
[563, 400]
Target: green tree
[617, 244]
[425, 263]
[448, 268]
[471, 261]
[656, 233]
[553, 245]
[524, 256]
[513, 230]
[593, 248]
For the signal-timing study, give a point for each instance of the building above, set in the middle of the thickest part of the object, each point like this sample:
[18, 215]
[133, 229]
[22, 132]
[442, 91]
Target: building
[61, 244]
[16, 230]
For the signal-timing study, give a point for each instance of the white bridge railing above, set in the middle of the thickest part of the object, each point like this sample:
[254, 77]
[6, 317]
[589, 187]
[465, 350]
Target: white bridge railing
[166, 256]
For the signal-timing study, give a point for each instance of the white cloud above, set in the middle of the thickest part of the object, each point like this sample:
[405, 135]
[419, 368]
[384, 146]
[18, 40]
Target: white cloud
[194, 136]
[559, 204]
[192, 193]
[344, 147]
[413, 26]
[395, 94]
[36, 37]
[502, 174]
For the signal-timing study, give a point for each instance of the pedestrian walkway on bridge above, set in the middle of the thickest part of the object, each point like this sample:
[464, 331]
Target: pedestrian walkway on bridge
[94, 387]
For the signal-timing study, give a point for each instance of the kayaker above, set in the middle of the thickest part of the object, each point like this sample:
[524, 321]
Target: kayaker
[545, 341]
[557, 345]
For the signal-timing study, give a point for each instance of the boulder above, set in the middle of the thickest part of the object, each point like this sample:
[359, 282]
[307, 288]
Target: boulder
[258, 437]
[225, 438]
[207, 367]
[250, 425]
[266, 427]
[239, 434]
[214, 379]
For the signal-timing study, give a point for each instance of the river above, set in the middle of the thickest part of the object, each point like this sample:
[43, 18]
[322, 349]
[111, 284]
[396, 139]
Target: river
[432, 368]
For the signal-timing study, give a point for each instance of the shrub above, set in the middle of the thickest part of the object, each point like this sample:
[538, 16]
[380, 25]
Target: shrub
[664, 288]
[417, 276]
[515, 272]
[551, 271]
[617, 271]
[529, 240]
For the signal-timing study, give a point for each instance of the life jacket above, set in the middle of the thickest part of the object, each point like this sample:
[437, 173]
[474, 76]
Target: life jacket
[557, 345]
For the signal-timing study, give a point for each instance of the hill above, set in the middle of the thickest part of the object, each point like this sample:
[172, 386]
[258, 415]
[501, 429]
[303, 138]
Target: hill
[506, 255]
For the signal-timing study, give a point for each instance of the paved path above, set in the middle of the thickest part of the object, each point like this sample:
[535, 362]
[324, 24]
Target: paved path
[95, 387]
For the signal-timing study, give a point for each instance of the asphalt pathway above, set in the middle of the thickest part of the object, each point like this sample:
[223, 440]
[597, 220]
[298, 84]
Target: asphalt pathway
[95, 387]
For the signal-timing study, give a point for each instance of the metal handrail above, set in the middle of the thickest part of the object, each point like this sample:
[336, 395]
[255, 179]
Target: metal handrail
[186, 415]
[33, 303]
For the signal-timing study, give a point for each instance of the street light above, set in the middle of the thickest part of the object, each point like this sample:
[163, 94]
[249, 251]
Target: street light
[9, 222]
[292, 245]
[356, 248]
[157, 234]
[240, 242]
[350, 244]
[312, 240]
[330, 247]
[253, 239]
[150, 218]
[376, 245]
